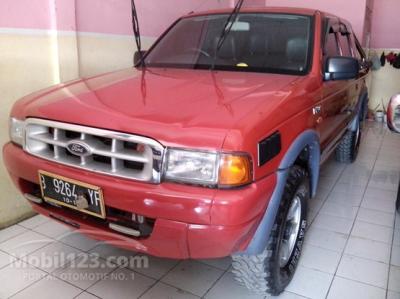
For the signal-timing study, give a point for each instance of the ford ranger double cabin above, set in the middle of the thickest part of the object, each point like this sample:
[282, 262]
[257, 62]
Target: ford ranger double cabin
[207, 148]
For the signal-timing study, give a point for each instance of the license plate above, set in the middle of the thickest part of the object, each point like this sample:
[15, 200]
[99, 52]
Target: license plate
[72, 194]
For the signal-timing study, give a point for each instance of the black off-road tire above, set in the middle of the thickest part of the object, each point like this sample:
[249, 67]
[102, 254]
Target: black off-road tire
[263, 273]
[347, 150]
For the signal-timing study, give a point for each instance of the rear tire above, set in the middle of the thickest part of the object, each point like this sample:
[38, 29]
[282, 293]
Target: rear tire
[273, 269]
[347, 150]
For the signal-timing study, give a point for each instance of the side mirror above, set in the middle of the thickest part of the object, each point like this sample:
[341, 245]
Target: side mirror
[393, 114]
[341, 68]
[137, 57]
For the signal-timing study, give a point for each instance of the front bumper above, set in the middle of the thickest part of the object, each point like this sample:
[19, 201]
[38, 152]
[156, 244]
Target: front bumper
[190, 222]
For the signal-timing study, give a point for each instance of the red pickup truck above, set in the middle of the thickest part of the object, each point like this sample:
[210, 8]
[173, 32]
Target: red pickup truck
[204, 149]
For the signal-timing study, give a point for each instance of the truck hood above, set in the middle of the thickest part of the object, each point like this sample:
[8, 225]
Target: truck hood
[176, 107]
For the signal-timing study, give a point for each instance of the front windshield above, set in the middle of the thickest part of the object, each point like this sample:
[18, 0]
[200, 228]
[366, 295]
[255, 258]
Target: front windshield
[258, 42]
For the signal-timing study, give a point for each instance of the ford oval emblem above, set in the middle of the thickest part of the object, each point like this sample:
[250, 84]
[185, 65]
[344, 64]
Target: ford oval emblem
[79, 148]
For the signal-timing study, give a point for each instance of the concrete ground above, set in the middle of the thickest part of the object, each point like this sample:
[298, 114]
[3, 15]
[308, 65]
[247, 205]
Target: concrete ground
[352, 247]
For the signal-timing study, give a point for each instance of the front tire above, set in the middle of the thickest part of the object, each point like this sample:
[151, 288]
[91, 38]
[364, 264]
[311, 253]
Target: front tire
[272, 270]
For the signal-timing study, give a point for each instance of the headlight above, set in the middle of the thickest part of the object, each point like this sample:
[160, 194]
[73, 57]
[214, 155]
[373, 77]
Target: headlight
[207, 168]
[192, 167]
[17, 131]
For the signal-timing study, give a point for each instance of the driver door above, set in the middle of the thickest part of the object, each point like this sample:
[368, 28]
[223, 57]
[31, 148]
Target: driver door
[336, 94]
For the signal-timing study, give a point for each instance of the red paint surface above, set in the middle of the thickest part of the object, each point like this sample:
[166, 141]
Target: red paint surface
[201, 119]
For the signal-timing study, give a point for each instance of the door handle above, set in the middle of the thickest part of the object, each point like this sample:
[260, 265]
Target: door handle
[317, 110]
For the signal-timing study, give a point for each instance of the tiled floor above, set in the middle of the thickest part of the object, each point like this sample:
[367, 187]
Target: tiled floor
[352, 248]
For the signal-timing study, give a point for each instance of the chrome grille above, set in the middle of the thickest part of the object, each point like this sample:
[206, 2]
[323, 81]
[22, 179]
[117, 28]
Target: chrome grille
[112, 153]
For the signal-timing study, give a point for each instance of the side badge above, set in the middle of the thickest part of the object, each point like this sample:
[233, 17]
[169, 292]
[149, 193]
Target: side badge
[269, 148]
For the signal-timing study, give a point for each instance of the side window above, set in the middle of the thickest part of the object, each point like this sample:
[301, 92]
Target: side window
[356, 54]
[357, 49]
[331, 44]
[344, 40]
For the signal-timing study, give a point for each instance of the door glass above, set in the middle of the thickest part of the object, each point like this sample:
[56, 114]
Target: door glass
[344, 44]
[331, 45]
[358, 50]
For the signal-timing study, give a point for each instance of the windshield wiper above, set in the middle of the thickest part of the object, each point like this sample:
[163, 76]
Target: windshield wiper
[227, 29]
[136, 32]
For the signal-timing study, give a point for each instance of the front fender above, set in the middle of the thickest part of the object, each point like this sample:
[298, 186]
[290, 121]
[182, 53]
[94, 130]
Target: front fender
[308, 138]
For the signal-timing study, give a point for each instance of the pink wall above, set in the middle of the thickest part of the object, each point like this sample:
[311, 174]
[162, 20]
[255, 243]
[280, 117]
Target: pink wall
[65, 14]
[113, 16]
[37, 14]
[25, 14]
[386, 24]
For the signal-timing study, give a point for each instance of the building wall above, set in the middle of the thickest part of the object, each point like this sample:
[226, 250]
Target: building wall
[386, 22]
[385, 38]
[26, 64]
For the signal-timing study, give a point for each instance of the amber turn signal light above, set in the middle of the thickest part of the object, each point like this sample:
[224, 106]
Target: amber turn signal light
[234, 170]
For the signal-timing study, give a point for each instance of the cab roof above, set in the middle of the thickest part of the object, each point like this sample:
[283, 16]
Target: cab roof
[288, 10]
